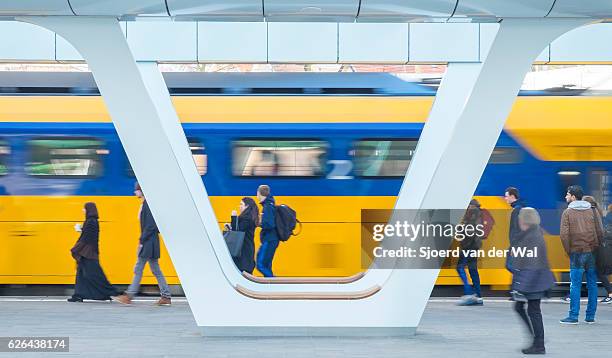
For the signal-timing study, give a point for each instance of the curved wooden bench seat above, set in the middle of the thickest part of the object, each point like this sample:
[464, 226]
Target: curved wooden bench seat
[308, 295]
[298, 280]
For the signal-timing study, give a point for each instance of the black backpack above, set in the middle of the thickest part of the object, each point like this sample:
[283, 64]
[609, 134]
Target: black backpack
[286, 221]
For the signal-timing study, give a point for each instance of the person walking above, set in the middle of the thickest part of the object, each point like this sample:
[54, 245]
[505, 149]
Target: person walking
[268, 236]
[581, 232]
[512, 197]
[91, 282]
[531, 276]
[246, 221]
[148, 252]
[601, 276]
[471, 294]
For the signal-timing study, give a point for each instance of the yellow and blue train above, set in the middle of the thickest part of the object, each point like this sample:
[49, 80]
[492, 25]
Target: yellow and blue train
[328, 145]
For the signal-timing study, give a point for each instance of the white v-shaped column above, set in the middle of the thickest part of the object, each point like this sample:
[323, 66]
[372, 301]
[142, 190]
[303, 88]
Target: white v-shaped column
[464, 124]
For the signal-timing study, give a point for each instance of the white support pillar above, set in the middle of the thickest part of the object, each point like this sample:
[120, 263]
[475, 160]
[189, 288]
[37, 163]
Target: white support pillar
[466, 121]
[139, 104]
[450, 158]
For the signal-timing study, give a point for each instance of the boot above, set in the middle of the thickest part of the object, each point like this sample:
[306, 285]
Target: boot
[536, 348]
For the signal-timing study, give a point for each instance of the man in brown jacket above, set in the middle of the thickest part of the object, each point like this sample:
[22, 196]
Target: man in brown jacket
[581, 233]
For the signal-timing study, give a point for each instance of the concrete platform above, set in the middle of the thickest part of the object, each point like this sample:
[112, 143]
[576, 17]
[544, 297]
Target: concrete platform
[98, 329]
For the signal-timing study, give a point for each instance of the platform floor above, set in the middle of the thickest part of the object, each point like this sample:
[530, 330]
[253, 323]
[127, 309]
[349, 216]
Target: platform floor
[106, 330]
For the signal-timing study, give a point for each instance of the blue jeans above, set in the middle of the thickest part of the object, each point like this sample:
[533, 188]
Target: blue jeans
[265, 255]
[472, 264]
[581, 262]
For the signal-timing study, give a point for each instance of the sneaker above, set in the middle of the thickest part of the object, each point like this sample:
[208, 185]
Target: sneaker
[123, 299]
[164, 301]
[589, 320]
[470, 300]
[568, 321]
[606, 300]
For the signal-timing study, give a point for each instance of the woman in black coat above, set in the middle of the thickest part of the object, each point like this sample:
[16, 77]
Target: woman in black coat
[531, 276]
[91, 283]
[246, 222]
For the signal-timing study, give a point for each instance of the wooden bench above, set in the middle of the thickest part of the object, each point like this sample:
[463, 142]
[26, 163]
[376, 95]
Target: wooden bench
[308, 295]
[303, 280]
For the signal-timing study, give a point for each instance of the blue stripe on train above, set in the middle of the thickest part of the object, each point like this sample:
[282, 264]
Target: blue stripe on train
[538, 181]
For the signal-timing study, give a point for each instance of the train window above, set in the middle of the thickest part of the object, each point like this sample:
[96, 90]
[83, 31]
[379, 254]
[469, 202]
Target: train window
[567, 178]
[505, 155]
[301, 158]
[383, 158]
[198, 152]
[5, 151]
[65, 157]
[600, 186]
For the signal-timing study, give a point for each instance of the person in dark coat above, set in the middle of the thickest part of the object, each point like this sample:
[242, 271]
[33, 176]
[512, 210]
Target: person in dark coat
[601, 276]
[531, 276]
[246, 222]
[268, 236]
[91, 282]
[148, 252]
[511, 196]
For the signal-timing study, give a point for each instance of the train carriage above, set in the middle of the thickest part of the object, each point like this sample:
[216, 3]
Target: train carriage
[329, 145]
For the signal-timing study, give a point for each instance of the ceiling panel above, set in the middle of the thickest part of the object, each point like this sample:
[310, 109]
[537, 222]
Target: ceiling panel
[405, 10]
[503, 8]
[311, 10]
[35, 7]
[573, 8]
[119, 8]
[234, 10]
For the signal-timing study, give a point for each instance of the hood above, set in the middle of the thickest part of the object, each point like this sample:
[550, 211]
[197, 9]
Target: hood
[269, 199]
[580, 205]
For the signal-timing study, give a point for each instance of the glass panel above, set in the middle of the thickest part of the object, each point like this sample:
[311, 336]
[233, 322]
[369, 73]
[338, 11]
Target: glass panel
[5, 151]
[600, 182]
[383, 158]
[198, 151]
[65, 157]
[279, 158]
[567, 178]
[505, 155]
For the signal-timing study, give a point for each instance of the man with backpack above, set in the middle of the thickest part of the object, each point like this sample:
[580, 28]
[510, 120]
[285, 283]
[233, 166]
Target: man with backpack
[269, 237]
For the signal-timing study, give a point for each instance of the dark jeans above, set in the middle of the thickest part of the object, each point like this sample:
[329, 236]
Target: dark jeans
[605, 282]
[532, 319]
[472, 264]
[265, 255]
[581, 262]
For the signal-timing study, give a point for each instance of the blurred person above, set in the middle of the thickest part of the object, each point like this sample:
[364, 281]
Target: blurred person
[268, 236]
[91, 282]
[601, 276]
[531, 276]
[148, 252]
[581, 232]
[607, 224]
[246, 221]
[471, 294]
